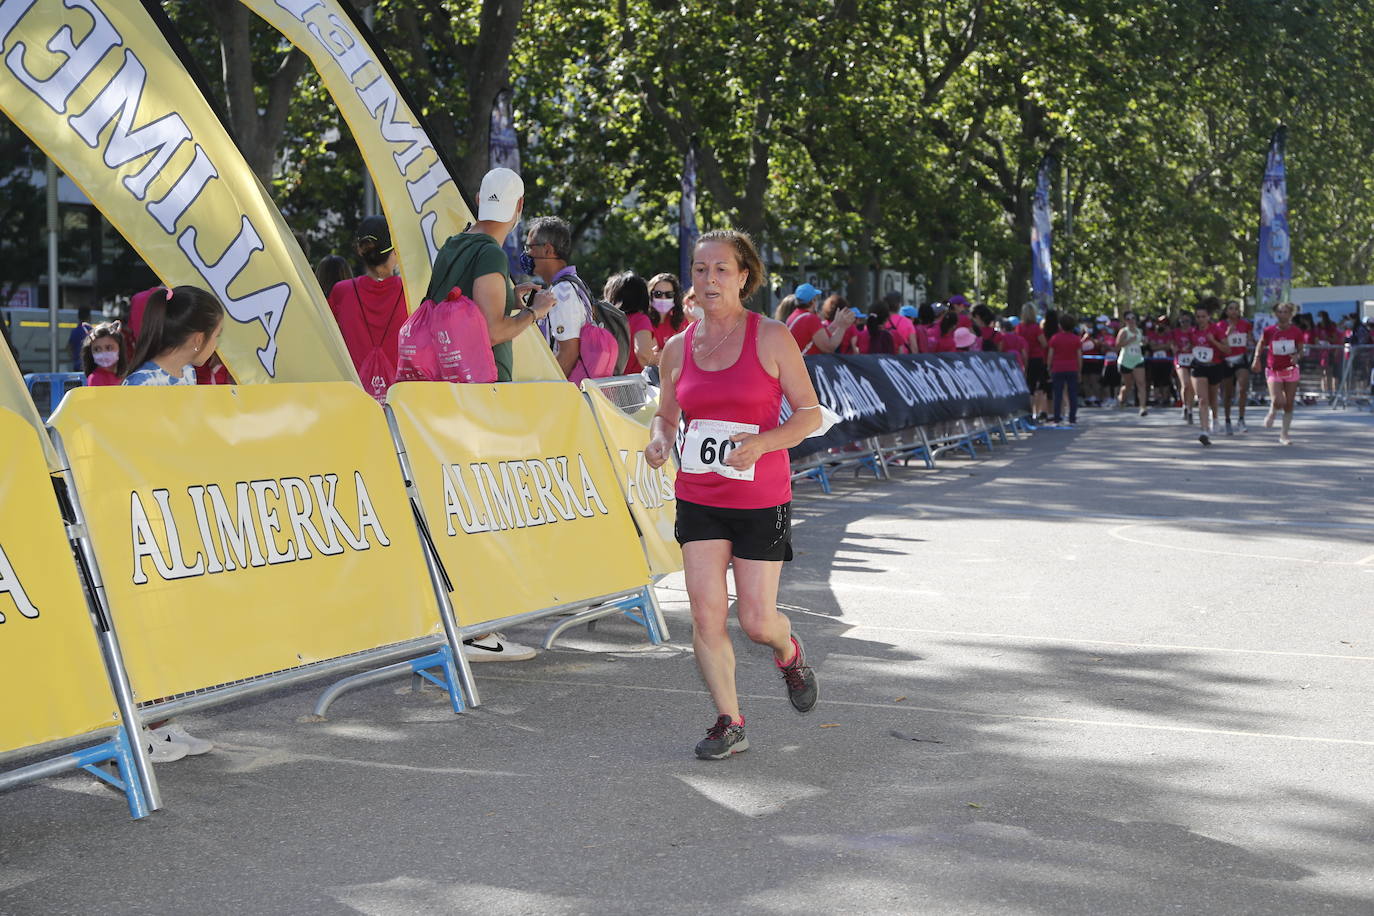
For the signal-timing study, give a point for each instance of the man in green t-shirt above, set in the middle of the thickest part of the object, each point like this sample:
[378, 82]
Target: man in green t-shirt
[474, 261]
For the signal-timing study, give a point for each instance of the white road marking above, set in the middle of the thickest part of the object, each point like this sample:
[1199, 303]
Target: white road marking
[1105, 642]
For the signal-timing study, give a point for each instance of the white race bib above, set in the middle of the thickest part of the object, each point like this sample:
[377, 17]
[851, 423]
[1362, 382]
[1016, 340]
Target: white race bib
[1237, 339]
[1185, 359]
[706, 444]
[1285, 346]
[1202, 354]
[1159, 354]
[1131, 352]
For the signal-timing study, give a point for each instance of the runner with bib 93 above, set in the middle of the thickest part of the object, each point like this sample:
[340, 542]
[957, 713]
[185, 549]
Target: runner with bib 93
[723, 383]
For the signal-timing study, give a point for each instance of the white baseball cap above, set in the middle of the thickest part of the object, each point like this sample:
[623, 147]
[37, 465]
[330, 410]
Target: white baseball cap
[501, 191]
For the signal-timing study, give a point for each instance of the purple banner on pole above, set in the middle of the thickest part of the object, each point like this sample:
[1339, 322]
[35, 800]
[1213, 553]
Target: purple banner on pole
[687, 219]
[504, 152]
[1042, 272]
[1274, 274]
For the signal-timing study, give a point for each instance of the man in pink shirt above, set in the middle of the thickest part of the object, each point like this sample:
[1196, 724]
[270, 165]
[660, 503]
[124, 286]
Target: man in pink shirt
[811, 334]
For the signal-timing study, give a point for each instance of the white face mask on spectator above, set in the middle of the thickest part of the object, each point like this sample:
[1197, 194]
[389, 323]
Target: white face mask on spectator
[105, 358]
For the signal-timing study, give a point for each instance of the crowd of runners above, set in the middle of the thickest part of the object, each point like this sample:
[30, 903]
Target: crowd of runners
[1209, 363]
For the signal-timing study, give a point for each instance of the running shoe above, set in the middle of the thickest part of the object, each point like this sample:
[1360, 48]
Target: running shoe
[1240, 426]
[1204, 439]
[1284, 440]
[802, 689]
[722, 739]
[1269, 420]
[1229, 431]
[495, 648]
[163, 751]
[1188, 416]
[1144, 411]
[172, 733]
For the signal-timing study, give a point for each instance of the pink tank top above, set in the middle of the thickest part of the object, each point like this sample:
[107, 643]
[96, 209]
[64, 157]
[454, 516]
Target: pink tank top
[743, 393]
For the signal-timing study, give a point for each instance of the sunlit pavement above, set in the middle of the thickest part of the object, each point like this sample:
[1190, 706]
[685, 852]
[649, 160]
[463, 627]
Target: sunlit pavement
[1103, 671]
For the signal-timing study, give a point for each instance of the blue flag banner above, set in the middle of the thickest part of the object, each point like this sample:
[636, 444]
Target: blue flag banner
[687, 219]
[504, 152]
[1275, 274]
[1042, 273]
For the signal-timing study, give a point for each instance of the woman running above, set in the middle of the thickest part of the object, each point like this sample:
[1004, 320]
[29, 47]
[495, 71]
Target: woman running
[1159, 350]
[1208, 369]
[727, 376]
[1234, 331]
[1130, 345]
[1284, 343]
[1183, 363]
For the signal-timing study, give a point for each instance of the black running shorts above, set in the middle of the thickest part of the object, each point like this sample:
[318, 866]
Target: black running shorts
[1037, 376]
[1212, 374]
[754, 534]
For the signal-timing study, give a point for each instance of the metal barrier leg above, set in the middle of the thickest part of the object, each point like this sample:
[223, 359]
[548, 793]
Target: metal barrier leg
[927, 452]
[629, 606]
[104, 623]
[118, 750]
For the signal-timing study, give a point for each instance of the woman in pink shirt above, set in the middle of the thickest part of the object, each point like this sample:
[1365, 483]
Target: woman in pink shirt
[665, 298]
[726, 377]
[1012, 342]
[1234, 331]
[102, 354]
[1183, 363]
[832, 305]
[1284, 343]
[1208, 368]
[628, 292]
[1065, 350]
[1037, 375]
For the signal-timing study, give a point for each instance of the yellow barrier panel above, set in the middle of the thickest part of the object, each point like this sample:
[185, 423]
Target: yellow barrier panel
[96, 85]
[14, 396]
[519, 494]
[532, 360]
[242, 531]
[52, 677]
[648, 492]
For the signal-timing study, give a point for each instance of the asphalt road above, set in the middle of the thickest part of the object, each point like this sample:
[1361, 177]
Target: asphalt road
[1104, 671]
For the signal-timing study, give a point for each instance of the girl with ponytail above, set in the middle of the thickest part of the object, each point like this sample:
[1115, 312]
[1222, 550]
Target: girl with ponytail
[179, 333]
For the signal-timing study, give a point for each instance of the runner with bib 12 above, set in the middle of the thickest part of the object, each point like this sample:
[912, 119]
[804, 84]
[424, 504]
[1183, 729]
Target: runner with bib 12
[723, 384]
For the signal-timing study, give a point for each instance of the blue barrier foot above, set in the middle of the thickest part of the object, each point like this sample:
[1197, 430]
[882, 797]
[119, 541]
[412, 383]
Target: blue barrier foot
[443, 661]
[118, 752]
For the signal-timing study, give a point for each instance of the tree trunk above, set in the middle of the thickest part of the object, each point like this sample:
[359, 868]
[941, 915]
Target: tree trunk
[488, 74]
[258, 133]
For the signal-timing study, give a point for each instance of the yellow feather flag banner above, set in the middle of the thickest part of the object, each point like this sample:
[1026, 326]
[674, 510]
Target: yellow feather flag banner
[97, 86]
[14, 396]
[422, 203]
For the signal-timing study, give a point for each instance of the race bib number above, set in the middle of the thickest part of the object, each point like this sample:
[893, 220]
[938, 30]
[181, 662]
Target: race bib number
[706, 444]
[1202, 354]
[1285, 347]
[1131, 352]
[1185, 359]
[1236, 339]
[1159, 354]
[1089, 346]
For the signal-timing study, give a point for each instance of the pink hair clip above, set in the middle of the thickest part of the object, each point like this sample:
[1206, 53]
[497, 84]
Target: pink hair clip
[168, 291]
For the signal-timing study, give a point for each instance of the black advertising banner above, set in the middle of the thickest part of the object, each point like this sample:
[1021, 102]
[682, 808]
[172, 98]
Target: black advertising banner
[876, 395]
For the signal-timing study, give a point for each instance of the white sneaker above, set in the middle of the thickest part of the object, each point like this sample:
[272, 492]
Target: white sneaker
[161, 750]
[172, 733]
[495, 648]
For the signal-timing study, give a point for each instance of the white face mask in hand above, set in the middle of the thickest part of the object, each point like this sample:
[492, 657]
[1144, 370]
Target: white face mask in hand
[105, 358]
